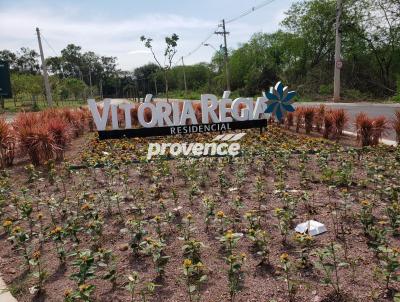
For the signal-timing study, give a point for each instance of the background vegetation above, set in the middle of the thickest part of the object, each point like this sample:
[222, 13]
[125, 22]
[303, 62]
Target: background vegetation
[301, 53]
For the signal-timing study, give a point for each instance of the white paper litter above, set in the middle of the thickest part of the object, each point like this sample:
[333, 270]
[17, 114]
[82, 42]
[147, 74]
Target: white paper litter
[312, 227]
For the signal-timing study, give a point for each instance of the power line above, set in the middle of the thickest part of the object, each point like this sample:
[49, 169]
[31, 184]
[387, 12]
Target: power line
[251, 10]
[61, 63]
[244, 14]
[48, 44]
[197, 47]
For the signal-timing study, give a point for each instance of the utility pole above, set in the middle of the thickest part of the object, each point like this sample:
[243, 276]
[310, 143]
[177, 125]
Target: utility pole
[338, 46]
[184, 76]
[227, 73]
[90, 81]
[44, 69]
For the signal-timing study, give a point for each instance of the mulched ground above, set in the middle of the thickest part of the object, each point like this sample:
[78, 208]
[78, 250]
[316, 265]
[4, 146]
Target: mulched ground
[260, 283]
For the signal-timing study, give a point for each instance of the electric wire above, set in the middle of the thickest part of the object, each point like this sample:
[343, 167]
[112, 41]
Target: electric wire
[242, 15]
[251, 10]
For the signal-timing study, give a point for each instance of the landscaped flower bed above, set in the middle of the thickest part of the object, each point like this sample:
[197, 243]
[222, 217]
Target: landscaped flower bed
[106, 225]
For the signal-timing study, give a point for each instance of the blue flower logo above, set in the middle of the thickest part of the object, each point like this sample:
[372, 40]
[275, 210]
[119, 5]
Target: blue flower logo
[280, 100]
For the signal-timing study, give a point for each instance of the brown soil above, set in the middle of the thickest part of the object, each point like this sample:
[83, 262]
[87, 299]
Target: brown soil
[261, 283]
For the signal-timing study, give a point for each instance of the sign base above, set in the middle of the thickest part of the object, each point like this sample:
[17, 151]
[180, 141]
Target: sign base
[185, 129]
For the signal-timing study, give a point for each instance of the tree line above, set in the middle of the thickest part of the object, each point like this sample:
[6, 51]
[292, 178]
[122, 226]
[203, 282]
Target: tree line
[300, 53]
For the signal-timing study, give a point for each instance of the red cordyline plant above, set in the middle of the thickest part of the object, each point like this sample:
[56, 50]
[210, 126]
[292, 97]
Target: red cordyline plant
[148, 115]
[289, 120]
[328, 125]
[48, 114]
[396, 125]
[299, 115]
[340, 120]
[357, 123]
[197, 110]
[76, 118]
[25, 120]
[121, 117]
[34, 137]
[38, 143]
[61, 132]
[365, 129]
[380, 127]
[319, 117]
[7, 144]
[88, 119]
[134, 116]
[309, 113]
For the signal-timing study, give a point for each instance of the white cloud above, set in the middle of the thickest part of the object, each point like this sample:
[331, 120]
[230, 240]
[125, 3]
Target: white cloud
[115, 37]
[137, 52]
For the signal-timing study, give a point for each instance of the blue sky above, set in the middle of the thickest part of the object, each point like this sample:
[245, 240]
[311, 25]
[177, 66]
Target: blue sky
[114, 27]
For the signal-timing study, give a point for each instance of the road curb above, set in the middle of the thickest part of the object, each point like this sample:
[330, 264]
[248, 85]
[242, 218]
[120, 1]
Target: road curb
[384, 141]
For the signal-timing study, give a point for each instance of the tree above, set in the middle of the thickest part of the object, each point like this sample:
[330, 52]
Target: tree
[55, 66]
[314, 22]
[169, 53]
[72, 60]
[27, 84]
[377, 22]
[75, 87]
[27, 61]
[18, 86]
[8, 56]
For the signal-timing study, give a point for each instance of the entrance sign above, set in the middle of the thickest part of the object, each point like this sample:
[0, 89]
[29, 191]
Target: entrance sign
[5, 83]
[184, 117]
[188, 129]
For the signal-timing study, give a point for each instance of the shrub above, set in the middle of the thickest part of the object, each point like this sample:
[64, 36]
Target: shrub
[326, 89]
[76, 118]
[396, 125]
[121, 117]
[319, 117]
[380, 127]
[38, 143]
[25, 120]
[289, 120]
[61, 132]
[88, 118]
[309, 113]
[340, 120]
[299, 115]
[365, 129]
[357, 122]
[147, 115]
[47, 133]
[134, 117]
[354, 94]
[197, 110]
[7, 144]
[328, 125]
[34, 137]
